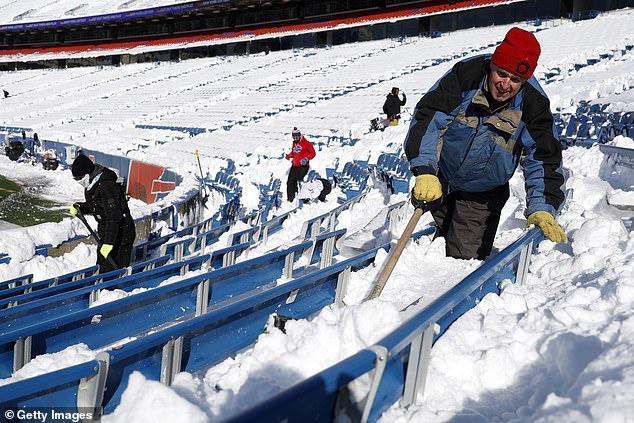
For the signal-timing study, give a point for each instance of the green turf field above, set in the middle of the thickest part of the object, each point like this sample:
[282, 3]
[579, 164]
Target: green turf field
[21, 205]
[7, 187]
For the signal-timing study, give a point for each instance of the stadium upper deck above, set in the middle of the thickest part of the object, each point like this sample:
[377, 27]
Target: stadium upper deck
[45, 31]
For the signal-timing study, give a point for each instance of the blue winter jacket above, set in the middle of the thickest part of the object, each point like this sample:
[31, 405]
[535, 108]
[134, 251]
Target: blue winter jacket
[453, 132]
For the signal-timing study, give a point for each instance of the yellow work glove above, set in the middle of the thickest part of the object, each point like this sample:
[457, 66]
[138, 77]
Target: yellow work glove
[427, 188]
[549, 227]
[74, 209]
[105, 250]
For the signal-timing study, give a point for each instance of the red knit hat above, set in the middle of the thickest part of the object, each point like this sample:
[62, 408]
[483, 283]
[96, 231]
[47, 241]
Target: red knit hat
[518, 53]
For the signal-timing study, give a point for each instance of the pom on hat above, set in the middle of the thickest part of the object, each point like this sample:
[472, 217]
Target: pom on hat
[82, 166]
[518, 53]
[296, 132]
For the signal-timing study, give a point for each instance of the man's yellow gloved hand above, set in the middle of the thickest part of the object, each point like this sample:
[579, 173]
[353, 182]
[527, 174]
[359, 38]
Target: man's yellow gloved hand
[74, 209]
[549, 227]
[105, 250]
[427, 188]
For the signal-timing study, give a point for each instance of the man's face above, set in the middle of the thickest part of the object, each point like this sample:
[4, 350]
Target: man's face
[503, 85]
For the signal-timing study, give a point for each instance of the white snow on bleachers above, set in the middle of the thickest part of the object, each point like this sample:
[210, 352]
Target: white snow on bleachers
[12, 11]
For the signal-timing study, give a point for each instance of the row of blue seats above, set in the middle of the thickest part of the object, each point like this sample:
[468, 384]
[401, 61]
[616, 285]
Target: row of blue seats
[587, 108]
[394, 163]
[597, 126]
[229, 186]
[195, 243]
[192, 131]
[352, 179]
[210, 227]
[270, 197]
[225, 182]
[396, 365]
[216, 333]
[206, 232]
[18, 293]
[135, 315]
[328, 221]
[215, 330]
[311, 228]
[24, 280]
[21, 290]
[41, 300]
[62, 300]
[228, 257]
[389, 169]
[260, 232]
[393, 170]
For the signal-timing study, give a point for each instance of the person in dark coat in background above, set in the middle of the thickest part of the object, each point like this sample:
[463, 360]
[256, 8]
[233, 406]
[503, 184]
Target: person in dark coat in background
[392, 106]
[302, 152]
[107, 201]
[6, 93]
[479, 122]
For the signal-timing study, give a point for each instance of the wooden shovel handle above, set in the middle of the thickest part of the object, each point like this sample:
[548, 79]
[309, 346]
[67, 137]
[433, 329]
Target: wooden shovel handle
[394, 254]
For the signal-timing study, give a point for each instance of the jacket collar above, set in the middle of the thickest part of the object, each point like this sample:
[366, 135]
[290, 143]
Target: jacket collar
[95, 176]
[506, 117]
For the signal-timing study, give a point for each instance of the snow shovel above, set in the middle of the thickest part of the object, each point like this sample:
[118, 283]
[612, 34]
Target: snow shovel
[395, 253]
[81, 217]
[202, 180]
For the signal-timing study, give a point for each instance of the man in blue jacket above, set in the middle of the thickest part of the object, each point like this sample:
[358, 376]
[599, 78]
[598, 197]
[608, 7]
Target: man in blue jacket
[468, 135]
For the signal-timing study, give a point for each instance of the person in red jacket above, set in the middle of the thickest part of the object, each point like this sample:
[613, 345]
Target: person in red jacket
[299, 156]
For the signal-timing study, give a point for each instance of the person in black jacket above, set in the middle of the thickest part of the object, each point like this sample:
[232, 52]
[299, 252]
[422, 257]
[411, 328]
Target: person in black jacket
[392, 106]
[469, 133]
[107, 201]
